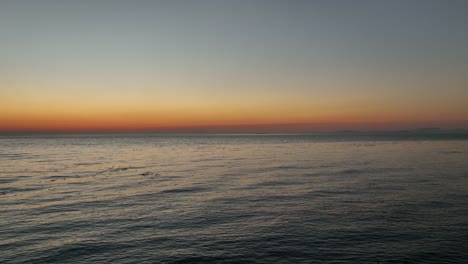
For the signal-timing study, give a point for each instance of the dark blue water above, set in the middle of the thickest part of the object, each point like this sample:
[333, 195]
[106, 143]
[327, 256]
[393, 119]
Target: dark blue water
[368, 198]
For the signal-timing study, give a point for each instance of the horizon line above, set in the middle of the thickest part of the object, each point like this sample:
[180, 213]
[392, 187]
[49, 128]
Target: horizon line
[427, 130]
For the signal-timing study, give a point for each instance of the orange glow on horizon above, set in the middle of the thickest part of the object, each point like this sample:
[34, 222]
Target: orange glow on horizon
[211, 122]
[114, 112]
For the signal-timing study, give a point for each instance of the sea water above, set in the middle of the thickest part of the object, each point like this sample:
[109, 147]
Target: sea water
[149, 198]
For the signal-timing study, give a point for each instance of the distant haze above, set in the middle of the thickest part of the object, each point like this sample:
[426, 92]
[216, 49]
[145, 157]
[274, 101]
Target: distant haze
[286, 66]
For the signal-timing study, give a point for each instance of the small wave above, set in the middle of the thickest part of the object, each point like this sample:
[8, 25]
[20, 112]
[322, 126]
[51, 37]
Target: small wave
[149, 173]
[373, 170]
[16, 190]
[119, 169]
[282, 168]
[351, 171]
[274, 183]
[18, 156]
[44, 161]
[185, 190]
[8, 180]
[64, 177]
[87, 163]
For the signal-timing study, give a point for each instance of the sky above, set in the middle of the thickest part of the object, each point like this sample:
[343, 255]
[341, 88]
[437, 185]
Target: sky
[196, 65]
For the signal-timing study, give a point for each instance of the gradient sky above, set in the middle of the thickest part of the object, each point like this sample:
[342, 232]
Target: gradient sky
[281, 65]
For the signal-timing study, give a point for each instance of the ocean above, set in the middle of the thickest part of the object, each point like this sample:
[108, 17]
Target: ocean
[154, 198]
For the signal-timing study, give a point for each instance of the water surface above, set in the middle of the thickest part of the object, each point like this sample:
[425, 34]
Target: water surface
[233, 198]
